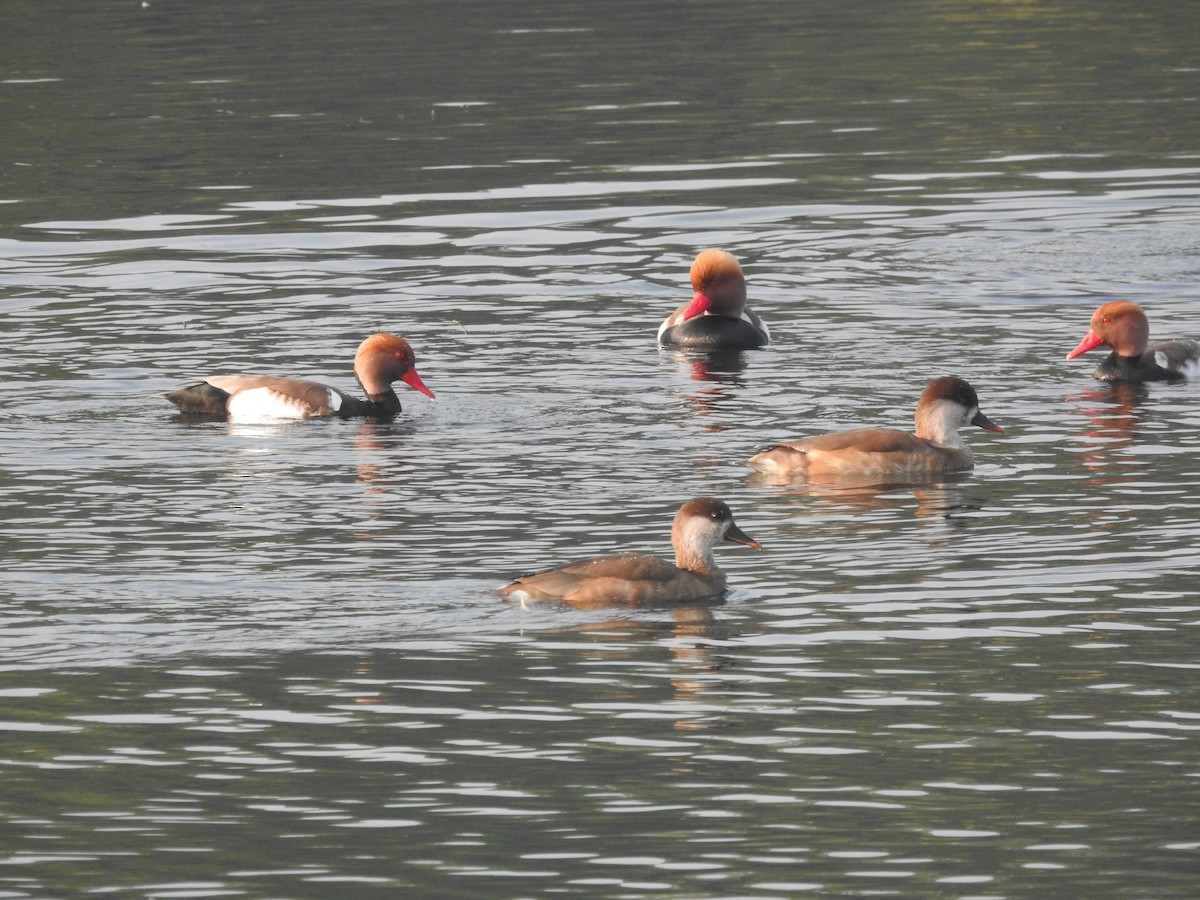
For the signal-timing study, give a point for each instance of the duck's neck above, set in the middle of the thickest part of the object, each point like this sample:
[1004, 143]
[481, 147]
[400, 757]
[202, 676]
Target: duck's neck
[731, 301]
[938, 424]
[379, 406]
[691, 552]
[386, 404]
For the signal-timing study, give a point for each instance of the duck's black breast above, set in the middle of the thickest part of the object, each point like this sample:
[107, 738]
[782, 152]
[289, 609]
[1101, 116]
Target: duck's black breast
[1134, 369]
[715, 333]
[377, 406]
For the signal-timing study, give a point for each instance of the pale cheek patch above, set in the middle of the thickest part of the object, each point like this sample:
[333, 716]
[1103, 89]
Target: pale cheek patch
[260, 404]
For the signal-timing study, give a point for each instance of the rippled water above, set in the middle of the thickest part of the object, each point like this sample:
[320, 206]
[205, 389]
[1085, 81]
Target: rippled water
[267, 660]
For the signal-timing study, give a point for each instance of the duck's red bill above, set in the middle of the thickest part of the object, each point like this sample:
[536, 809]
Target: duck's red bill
[1090, 340]
[412, 379]
[699, 304]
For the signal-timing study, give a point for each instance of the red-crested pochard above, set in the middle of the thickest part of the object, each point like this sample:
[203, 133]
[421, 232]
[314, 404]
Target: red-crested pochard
[716, 318]
[1122, 325]
[381, 359]
[947, 404]
[631, 578]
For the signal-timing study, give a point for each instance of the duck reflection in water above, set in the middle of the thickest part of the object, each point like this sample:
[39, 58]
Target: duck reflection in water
[1114, 412]
[692, 635]
[722, 368]
[381, 457]
[383, 468]
[946, 497]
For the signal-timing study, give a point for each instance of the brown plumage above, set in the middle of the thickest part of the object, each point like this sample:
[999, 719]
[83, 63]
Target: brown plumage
[886, 454]
[641, 579]
[716, 318]
[381, 360]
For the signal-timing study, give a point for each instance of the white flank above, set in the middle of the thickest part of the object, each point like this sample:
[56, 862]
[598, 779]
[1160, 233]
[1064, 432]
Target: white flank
[765, 464]
[1188, 367]
[761, 325]
[522, 596]
[663, 327]
[260, 404]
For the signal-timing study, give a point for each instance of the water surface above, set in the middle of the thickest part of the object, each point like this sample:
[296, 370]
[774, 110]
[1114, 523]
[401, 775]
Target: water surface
[267, 660]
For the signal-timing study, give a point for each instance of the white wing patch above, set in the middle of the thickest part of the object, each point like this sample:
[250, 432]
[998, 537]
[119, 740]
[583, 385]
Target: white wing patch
[1188, 366]
[669, 322]
[259, 404]
[760, 325]
[663, 327]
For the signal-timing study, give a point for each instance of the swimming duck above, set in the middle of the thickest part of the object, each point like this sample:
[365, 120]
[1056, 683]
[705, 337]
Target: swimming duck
[947, 404]
[716, 318]
[634, 579]
[381, 359]
[1122, 325]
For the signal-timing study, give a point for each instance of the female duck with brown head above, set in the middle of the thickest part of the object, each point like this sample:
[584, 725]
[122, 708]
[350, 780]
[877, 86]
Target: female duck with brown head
[1122, 325]
[381, 359]
[716, 318]
[886, 454]
[634, 579]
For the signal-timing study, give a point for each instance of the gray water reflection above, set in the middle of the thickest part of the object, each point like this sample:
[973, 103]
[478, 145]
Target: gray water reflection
[267, 660]
[907, 763]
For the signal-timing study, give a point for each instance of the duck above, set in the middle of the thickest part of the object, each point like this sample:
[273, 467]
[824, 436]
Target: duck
[381, 359]
[640, 579]
[888, 454]
[1122, 325]
[716, 318]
